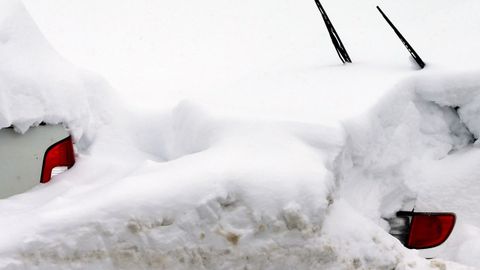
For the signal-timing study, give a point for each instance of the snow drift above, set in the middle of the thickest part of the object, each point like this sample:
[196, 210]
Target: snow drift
[427, 117]
[185, 189]
[255, 195]
[38, 85]
[418, 148]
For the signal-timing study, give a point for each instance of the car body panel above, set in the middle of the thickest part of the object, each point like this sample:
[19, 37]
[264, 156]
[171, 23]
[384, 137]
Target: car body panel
[21, 156]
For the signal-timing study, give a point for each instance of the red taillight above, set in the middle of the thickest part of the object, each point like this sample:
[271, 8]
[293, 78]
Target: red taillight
[60, 154]
[429, 230]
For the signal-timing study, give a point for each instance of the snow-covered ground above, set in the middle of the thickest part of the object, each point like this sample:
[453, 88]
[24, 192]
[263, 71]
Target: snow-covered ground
[238, 140]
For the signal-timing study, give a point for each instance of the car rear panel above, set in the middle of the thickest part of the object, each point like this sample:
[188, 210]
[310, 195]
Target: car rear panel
[21, 156]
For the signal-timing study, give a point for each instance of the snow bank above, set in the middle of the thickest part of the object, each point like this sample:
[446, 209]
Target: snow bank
[417, 148]
[37, 85]
[422, 118]
[186, 190]
[210, 194]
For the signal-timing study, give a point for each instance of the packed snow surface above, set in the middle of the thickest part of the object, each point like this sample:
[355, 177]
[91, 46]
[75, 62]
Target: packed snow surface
[279, 159]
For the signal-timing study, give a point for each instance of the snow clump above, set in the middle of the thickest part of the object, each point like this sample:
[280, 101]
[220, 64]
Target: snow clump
[37, 85]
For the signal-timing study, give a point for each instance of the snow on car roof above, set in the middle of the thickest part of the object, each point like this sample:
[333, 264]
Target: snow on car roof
[38, 85]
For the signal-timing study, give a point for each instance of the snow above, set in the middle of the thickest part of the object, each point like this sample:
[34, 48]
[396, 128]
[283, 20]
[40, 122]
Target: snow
[419, 144]
[280, 158]
[154, 213]
[37, 85]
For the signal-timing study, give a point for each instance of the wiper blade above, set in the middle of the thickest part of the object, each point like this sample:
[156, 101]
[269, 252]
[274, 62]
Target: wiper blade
[337, 42]
[414, 54]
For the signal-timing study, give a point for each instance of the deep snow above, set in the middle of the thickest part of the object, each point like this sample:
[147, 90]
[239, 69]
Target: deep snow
[255, 171]
[37, 85]
[419, 143]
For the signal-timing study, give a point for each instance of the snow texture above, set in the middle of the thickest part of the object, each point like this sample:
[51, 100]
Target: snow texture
[419, 144]
[197, 188]
[38, 85]
[228, 210]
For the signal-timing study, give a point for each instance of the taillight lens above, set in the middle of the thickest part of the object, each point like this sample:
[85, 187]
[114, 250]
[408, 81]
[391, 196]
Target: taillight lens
[60, 154]
[429, 230]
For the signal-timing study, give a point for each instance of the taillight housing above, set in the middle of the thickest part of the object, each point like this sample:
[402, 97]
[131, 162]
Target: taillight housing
[429, 230]
[61, 154]
[426, 230]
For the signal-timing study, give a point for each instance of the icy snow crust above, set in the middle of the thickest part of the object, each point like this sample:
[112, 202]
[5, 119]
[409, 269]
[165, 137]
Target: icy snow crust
[187, 189]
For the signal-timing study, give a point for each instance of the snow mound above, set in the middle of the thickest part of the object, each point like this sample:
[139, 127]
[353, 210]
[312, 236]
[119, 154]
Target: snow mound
[418, 148]
[186, 190]
[255, 195]
[38, 85]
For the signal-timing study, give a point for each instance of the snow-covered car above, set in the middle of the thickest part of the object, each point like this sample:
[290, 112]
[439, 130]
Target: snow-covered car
[34, 157]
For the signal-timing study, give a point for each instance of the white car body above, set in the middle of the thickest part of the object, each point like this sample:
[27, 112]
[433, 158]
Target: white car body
[22, 156]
